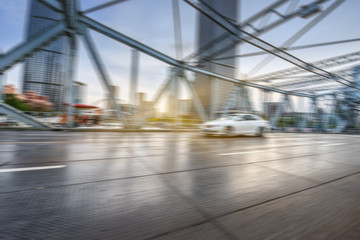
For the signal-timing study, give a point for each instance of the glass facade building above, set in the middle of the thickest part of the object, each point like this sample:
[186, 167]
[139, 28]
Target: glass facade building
[45, 72]
[214, 92]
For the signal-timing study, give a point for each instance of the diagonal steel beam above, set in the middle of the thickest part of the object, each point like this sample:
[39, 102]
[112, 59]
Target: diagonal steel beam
[264, 11]
[178, 72]
[207, 48]
[325, 63]
[126, 40]
[160, 92]
[8, 110]
[197, 102]
[101, 71]
[259, 43]
[297, 35]
[168, 60]
[252, 54]
[26, 48]
[108, 4]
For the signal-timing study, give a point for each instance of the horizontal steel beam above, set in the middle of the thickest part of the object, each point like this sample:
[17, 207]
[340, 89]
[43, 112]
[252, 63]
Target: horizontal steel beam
[127, 40]
[26, 48]
[245, 83]
[53, 4]
[325, 63]
[264, 11]
[104, 5]
[252, 54]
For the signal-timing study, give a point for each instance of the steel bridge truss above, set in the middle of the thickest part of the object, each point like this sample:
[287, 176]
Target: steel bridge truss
[76, 24]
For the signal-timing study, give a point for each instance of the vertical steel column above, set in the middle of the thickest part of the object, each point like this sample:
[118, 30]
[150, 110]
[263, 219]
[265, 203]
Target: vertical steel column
[177, 29]
[289, 104]
[70, 80]
[134, 75]
[179, 55]
[262, 100]
[301, 124]
[237, 98]
[2, 79]
[333, 105]
[246, 99]
[314, 114]
[70, 8]
[214, 98]
[266, 101]
[101, 71]
[176, 98]
[174, 94]
[328, 112]
[274, 119]
[1, 87]
[242, 103]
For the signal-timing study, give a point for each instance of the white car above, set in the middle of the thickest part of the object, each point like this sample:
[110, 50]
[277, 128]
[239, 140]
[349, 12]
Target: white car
[236, 124]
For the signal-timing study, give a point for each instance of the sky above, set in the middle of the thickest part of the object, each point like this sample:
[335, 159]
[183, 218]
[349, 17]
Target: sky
[151, 22]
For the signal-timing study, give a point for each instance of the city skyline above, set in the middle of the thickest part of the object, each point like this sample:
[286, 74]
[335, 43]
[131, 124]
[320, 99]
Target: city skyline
[46, 70]
[158, 34]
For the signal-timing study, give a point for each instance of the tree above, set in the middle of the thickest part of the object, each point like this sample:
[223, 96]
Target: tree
[13, 101]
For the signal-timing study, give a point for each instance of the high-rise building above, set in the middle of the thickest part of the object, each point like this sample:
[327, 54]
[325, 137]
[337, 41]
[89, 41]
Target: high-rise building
[140, 98]
[45, 72]
[115, 90]
[79, 93]
[213, 92]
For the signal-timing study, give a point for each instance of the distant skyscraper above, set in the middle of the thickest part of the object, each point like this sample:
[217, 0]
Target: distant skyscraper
[45, 72]
[140, 98]
[213, 92]
[115, 90]
[78, 91]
